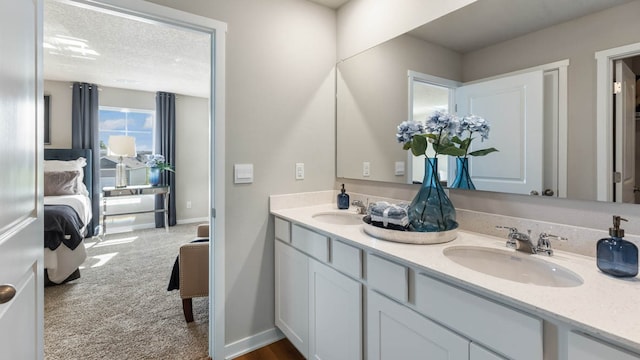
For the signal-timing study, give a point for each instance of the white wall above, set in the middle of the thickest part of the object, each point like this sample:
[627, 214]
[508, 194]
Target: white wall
[192, 142]
[280, 110]
[362, 24]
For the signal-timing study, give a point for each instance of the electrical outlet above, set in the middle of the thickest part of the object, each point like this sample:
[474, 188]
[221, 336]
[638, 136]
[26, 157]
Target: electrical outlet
[189, 204]
[366, 168]
[299, 171]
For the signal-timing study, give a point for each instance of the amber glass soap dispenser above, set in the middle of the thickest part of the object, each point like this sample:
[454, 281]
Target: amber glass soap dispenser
[616, 256]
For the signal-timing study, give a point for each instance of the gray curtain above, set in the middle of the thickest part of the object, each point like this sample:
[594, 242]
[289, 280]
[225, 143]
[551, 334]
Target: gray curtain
[166, 145]
[84, 135]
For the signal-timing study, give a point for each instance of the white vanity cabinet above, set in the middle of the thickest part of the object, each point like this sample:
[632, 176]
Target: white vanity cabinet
[318, 308]
[396, 332]
[292, 295]
[335, 314]
[507, 331]
[582, 347]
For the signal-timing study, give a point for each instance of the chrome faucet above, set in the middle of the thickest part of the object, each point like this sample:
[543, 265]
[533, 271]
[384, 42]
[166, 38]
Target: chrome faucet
[519, 241]
[361, 208]
[544, 245]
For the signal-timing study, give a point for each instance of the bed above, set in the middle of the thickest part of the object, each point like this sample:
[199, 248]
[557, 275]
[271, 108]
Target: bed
[67, 212]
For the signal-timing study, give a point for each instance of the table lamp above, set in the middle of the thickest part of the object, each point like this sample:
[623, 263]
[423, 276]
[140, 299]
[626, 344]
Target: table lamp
[122, 146]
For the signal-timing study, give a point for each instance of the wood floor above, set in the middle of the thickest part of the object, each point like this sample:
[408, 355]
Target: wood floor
[279, 350]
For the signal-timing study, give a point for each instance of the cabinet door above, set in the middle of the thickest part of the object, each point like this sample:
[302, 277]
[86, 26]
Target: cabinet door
[292, 295]
[581, 347]
[335, 314]
[396, 332]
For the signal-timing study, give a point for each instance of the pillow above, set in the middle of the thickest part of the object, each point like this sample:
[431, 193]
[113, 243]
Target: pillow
[69, 165]
[61, 183]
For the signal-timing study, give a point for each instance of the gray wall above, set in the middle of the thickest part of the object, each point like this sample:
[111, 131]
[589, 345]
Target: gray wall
[192, 143]
[577, 41]
[280, 110]
[373, 99]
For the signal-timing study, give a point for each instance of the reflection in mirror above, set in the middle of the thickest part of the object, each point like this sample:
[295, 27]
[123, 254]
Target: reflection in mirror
[583, 29]
[428, 94]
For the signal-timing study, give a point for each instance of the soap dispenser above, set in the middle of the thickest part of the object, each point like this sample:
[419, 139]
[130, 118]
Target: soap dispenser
[343, 199]
[616, 256]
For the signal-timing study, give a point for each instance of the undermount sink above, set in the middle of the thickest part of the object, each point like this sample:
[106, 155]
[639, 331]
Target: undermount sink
[513, 266]
[339, 218]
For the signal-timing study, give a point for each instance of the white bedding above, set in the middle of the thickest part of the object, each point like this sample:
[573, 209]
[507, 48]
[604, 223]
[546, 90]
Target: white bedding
[62, 262]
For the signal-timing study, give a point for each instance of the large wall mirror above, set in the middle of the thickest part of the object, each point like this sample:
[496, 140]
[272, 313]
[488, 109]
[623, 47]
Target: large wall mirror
[417, 72]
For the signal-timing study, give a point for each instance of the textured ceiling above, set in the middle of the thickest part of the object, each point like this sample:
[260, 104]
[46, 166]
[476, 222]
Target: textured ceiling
[90, 46]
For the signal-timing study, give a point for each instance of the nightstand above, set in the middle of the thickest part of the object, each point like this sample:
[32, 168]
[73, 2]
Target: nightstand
[134, 190]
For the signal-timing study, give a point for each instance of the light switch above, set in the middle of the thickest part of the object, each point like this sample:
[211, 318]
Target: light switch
[243, 173]
[299, 171]
[399, 168]
[366, 168]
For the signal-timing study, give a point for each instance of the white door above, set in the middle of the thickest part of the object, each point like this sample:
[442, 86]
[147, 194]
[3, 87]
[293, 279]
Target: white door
[625, 129]
[397, 332]
[21, 149]
[292, 295]
[335, 314]
[513, 106]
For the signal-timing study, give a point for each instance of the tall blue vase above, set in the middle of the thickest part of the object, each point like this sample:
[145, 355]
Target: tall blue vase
[154, 176]
[463, 179]
[431, 210]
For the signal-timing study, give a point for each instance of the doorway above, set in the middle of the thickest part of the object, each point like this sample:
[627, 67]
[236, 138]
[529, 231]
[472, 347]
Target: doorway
[618, 110]
[149, 12]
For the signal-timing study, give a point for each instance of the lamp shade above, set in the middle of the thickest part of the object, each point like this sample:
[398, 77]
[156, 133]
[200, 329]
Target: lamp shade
[124, 146]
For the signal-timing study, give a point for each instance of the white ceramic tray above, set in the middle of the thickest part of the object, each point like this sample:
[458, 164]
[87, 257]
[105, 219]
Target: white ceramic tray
[410, 237]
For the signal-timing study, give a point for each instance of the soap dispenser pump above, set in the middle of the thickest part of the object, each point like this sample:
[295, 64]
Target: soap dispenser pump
[616, 256]
[343, 199]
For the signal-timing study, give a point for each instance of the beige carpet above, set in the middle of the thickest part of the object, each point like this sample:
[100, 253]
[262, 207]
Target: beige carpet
[120, 307]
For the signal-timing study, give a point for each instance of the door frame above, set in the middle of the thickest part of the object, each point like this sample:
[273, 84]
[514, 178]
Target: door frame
[604, 115]
[139, 9]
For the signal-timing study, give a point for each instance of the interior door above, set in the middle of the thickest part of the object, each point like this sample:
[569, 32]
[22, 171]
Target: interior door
[513, 106]
[625, 130]
[21, 149]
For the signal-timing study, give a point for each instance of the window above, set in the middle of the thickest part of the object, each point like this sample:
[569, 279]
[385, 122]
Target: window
[130, 122]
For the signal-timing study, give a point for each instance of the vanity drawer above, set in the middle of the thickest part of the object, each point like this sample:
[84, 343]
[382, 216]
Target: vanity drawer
[388, 277]
[346, 258]
[505, 330]
[311, 243]
[283, 230]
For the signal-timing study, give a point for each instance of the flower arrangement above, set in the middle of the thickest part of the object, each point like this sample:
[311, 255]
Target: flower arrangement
[158, 161]
[445, 132]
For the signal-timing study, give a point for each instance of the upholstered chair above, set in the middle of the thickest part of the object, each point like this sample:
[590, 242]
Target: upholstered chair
[194, 271]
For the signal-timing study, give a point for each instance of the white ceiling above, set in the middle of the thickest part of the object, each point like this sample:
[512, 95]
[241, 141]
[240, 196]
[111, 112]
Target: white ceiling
[130, 54]
[109, 50]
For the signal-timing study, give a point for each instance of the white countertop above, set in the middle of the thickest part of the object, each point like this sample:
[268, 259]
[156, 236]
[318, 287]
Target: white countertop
[603, 305]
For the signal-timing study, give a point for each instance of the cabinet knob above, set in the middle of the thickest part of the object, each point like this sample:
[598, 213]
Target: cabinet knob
[548, 192]
[534, 193]
[7, 292]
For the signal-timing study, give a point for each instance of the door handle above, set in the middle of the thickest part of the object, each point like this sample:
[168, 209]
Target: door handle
[7, 292]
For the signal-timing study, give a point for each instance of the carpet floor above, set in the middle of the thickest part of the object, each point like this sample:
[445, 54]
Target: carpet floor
[120, 307]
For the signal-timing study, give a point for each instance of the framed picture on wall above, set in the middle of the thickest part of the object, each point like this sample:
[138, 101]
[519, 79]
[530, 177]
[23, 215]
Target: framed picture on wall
[47, 124]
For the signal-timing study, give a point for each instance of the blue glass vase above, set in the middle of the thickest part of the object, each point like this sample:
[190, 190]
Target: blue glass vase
[463, 179]
[431, 210]
[154, 176]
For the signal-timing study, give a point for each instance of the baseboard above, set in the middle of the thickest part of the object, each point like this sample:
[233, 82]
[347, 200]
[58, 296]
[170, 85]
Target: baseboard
[121, 229]
[193, 220]
[248, 344]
